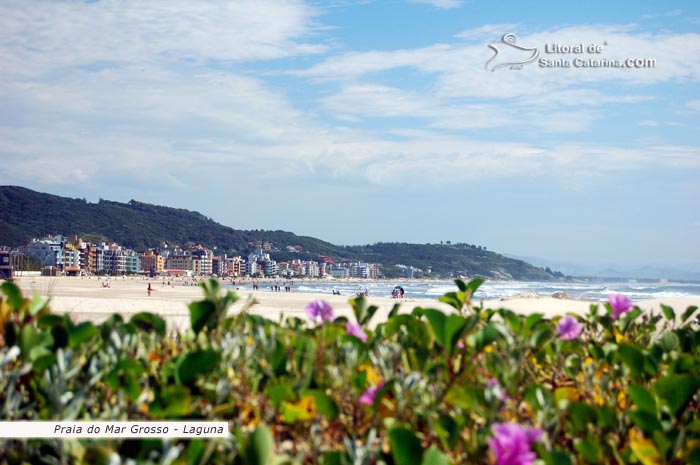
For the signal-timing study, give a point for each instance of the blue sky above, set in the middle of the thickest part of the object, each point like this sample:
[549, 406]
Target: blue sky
[366, 121]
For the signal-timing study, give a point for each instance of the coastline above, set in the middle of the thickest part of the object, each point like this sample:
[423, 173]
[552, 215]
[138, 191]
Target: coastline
[88, 299]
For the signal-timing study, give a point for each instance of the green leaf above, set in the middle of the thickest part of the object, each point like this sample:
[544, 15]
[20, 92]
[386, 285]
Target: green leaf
[171, 402]
[668, 312]
[416, 329]
[149, 322]
[581, 415]
[30, 338]
[553, 457]
[195, 450]
[645, 420]
[454, 327]
[472, 287]
[669, 342]
[642, 399]
[194, 364]
[437, 323]
[467, 397]
[332, 458]
[278, 393]
[211, 289]
[434, 457]
[202, 313]
[38, 352]
[81, 333]
[261, 447]
[59, 333]
[324, 403]
[676, 391]
[47, 321]
[13, 294]
[37, 305]
[590, 449]
[515, 322]
[484, 337]
[447, 431]
[406, 449]
[688, 313]
[394, 310]
[632, 357]
[541, 336]
[453, 299]
[532, 320]
[43, 361]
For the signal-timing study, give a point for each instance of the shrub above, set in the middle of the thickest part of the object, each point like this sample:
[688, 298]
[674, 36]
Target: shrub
[424, 387]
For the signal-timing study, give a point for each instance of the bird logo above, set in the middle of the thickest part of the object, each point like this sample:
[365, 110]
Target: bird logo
[510, 54]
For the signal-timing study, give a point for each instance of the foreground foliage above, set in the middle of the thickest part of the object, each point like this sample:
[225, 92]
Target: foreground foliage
[424, 387]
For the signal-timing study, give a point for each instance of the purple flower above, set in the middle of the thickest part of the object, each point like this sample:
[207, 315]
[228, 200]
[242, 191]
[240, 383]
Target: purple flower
[370, 393]
[354, 329]
[511, 443]
[569, 328]
[619, 304]
[319, 311]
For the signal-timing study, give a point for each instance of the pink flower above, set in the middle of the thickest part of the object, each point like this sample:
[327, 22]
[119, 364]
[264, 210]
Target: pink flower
[370, 393]
[619, 304]
[354, 329]
[511, 443]
[319, 311]
[569, 328]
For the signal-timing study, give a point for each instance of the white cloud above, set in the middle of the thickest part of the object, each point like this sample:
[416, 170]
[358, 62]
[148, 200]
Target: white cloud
[693, 105]
[444, 4]
[487, 31]
[667, 14]
[39, 38]
[459, 69]
[115, 92]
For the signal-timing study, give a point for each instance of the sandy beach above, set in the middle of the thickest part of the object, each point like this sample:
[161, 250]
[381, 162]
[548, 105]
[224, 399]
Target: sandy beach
[89, 299]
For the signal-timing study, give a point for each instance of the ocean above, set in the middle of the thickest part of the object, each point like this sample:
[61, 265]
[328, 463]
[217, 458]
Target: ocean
[491, 290]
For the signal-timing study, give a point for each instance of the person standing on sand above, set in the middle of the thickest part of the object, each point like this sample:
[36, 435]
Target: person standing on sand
[149, 289]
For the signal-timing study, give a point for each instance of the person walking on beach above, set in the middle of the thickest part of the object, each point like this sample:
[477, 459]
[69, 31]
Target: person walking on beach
[149, 289]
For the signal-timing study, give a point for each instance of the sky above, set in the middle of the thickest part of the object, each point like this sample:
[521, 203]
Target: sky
[365, 121]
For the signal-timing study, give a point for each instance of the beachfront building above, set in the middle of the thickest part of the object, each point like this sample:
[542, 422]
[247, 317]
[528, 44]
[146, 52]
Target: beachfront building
[179, 262]
[152, 262]
[260, 263]
[410, 271]
[201, 260]
[251, 268]
[5, 264]
[340, 271]
[364, 270]
[234, 266]
[49, 251]
[114, 259]
[133, 262]
[71, 256]
[270, 267]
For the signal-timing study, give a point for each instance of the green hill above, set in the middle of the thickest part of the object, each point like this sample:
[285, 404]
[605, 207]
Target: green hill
[27, 214]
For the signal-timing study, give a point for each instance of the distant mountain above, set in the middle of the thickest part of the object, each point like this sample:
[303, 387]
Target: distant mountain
[612, 271]
[27, 214]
